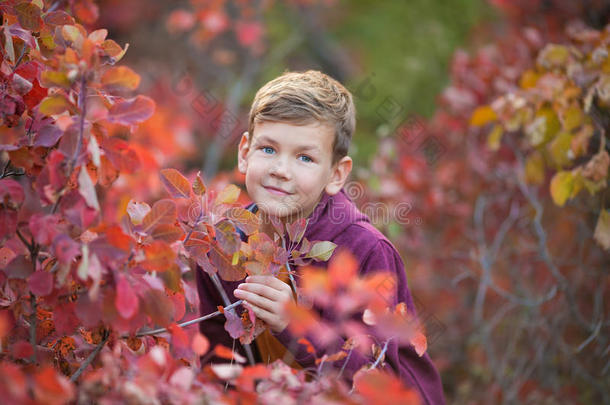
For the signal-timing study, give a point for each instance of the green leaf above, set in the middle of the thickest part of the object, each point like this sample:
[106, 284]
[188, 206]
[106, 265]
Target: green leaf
[321, 251]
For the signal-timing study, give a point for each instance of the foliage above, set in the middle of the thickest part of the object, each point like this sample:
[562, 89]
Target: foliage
[509, 181]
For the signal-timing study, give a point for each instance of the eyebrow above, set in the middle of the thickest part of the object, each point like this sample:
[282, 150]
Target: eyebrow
[266, 139]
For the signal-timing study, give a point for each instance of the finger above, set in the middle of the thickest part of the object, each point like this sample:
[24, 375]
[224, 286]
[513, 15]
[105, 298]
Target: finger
[256, 299]
[263, 290]
[268, 280]
[262, 313]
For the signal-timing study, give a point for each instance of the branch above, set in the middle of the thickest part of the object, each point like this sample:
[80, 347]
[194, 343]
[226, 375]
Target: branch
[227, 303]
[89, 359]
[187, 323]
[385, 348]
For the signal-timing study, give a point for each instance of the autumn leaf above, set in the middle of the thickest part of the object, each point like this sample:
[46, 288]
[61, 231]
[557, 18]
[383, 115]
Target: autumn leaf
[162, 212]
[126, 301]
[131, 111]
[561, 186]
[321, 251]
[175, 183]
[602, 230]
[198, 185]
[200, 344]
[482, 115]
[228, 195]
[137, 211]
[120, 78]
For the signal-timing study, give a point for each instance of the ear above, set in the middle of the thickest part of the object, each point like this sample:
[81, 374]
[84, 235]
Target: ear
[242, 153]
[340, 172]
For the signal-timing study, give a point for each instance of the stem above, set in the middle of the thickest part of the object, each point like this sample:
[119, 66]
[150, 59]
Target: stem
[227, 303]
[33, 321]
[82, 101]
[385, 348]
[345, 364]
[89, 359]
[187, 323]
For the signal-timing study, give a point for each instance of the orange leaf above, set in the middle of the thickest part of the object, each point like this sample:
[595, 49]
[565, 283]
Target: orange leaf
[200, 344]
[117, 238]
[159, 256]
[163, 212]
[420, 343]
[175, 183]
[226, 353]
[120, 78]
[342, 268]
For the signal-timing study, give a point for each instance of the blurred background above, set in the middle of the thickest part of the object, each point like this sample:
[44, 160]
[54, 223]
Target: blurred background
[470, 127]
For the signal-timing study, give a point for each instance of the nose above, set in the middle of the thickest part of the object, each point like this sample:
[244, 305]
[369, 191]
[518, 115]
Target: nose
[280, 168]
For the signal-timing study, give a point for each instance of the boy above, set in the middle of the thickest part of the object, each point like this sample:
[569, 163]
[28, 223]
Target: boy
[294, 157]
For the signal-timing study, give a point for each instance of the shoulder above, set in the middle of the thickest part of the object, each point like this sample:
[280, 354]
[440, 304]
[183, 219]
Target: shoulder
[371, 247]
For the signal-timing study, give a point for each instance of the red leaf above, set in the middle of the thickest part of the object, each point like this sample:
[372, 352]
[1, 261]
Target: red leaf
[28, 15]
[200, 344]
[65, 319]
[377, 387]
[159, 256]
[50, 387]
[89, 312]
[226, 353]
[19, 267]
[162, 212]
[126, 301]
[65, 248]
[41, 283]
[22, 350]
[233, 324]
[158, 306]
[11, 192]
[86, 11]
[132, 111]
[296, 230]
[248, 33]
[179, 336]
[44, 228]
[117, 238]
[343, 268]
[58, 18]
[179, 306]
[175, 183]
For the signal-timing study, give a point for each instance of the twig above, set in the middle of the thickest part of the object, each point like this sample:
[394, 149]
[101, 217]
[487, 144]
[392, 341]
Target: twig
[89, 359]
[385, 348]
[227, 303]
[187, 323]
[33, 322]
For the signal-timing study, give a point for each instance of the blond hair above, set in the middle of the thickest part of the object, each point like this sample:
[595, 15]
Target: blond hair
[302, 98]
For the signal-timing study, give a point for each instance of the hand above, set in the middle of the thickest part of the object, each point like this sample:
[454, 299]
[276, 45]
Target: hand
[266, 296]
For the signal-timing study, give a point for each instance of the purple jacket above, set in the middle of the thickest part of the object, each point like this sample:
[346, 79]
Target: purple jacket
[337, 219]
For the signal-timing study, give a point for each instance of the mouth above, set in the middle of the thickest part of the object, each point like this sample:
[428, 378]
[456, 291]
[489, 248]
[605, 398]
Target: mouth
[276, 191]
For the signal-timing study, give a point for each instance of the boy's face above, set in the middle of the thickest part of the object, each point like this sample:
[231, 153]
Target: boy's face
[288, 167]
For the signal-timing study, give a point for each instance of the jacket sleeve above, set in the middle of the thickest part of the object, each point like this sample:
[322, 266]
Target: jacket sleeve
[414, 371]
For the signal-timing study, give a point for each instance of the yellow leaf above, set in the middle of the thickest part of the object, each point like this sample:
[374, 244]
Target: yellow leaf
[528, 79]
[534, 168]
[120, 78]
[482, 115]
[228, 195]
[494, 138]
[562, 185]
[602, 230]
[572, 118]
[560, 150]
[55, 104]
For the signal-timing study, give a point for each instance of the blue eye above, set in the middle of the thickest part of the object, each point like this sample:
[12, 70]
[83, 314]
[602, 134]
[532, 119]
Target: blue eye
[267, 149]
[305, 158]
